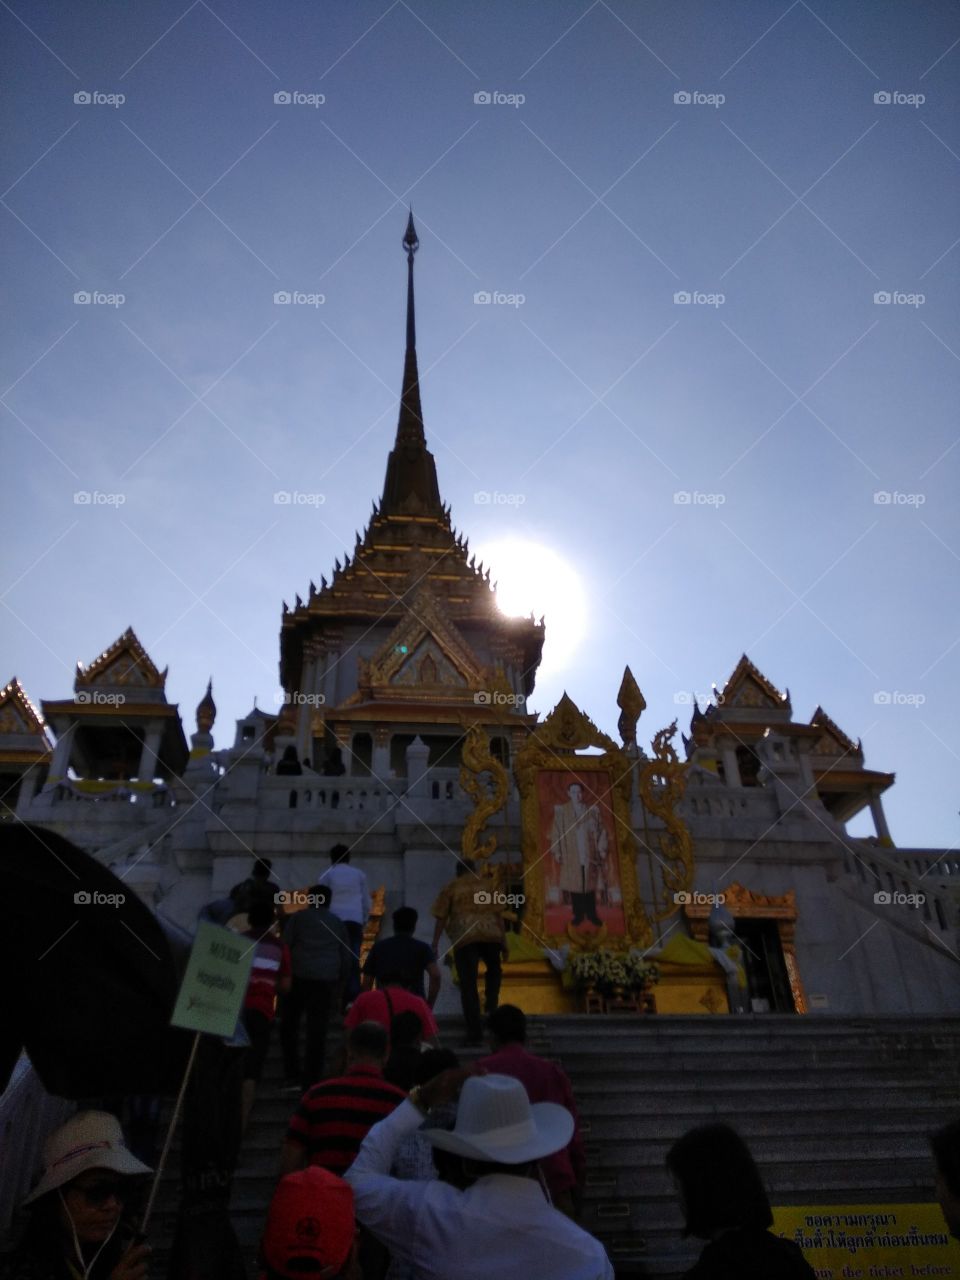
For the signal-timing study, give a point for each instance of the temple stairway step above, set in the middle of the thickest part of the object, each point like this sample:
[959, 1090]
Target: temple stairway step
[835, 1110]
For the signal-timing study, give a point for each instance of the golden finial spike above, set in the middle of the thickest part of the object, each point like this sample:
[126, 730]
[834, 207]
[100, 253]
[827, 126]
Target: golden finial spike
[632, 704]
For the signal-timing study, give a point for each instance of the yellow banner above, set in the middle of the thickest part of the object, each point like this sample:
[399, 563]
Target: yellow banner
[871, 1241]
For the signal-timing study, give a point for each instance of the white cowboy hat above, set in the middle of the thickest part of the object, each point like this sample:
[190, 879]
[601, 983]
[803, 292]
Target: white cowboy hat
[496, 1123]
[89, 1140]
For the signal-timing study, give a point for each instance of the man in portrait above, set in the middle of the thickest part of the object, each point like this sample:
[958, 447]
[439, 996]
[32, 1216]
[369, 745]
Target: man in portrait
[578, 842]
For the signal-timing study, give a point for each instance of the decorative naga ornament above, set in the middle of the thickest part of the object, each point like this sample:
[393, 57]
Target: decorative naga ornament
[661, 784]
[488, 797]
[632, 704]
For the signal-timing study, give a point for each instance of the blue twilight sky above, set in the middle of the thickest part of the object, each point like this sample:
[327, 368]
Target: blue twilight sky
[781, 408]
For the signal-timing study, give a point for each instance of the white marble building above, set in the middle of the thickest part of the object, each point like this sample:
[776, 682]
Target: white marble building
[384, 667]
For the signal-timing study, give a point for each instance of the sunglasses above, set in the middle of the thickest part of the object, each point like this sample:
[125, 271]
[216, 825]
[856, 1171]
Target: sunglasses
[98, 1193]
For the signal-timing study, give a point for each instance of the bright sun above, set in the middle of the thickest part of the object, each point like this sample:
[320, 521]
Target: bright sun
[533, 578]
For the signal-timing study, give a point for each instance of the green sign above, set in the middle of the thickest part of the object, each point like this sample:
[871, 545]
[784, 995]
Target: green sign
[215, 983]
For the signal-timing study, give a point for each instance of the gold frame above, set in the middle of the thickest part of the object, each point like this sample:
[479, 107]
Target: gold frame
[553, 746]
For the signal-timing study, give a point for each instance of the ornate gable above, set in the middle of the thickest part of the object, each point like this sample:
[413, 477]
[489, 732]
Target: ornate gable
[748, 687]
[18, 715]
[832, 740]
[425, 651]
[428, 665]
[126, 663]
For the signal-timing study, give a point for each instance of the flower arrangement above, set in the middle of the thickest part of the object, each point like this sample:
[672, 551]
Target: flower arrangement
[608, 971]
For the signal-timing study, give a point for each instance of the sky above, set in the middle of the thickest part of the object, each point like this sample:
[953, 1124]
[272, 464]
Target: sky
[686, 319]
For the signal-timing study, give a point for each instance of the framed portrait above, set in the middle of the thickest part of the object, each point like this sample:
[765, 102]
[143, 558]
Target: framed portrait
[579, 848]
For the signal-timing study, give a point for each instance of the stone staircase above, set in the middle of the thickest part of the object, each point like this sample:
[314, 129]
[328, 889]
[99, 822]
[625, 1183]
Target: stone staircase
[835, 1109]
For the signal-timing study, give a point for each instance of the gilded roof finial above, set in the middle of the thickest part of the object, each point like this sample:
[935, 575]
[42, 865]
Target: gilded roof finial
[206, 710]
[632, 704]
[410, 484]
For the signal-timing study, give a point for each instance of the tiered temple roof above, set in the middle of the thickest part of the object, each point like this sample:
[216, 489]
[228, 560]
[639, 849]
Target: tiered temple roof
[409, 550]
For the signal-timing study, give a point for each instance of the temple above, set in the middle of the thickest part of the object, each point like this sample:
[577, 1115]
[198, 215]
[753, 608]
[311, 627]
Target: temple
[405, 731]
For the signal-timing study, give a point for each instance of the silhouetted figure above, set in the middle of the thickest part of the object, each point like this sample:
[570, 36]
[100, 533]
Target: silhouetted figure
[289, 765]
[724, 1202]
[544, 1081]
[259, 888]
[320, 953]
[350, 901]
[946, 1153]
[405, 955]
[406, 1034]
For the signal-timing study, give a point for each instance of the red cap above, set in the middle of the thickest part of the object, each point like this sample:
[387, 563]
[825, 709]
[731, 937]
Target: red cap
[310, 1221]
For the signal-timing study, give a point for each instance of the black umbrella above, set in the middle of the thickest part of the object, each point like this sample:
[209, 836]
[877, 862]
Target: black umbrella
[90, 974]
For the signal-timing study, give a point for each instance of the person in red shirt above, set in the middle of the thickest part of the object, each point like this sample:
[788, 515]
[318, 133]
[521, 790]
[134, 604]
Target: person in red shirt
[270, 976]
[333, 1116]
[544, 1082]
[389, 999]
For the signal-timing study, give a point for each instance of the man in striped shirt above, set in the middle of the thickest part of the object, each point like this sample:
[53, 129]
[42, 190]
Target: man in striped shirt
[333, 1116]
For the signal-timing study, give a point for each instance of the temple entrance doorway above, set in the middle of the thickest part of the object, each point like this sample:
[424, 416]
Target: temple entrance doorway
[767, 979]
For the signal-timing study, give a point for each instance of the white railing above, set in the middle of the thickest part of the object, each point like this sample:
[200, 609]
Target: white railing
[319, 794]
[933, 915]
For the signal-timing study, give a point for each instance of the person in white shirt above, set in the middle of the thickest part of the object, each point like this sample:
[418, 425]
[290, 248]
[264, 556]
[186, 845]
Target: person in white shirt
[497, 1221]
[350, 903]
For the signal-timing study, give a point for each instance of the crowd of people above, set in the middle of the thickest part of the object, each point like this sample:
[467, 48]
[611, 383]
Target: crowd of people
[404, 1163]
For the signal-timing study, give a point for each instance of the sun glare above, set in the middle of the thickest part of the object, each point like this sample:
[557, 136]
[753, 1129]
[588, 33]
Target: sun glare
[533, 578]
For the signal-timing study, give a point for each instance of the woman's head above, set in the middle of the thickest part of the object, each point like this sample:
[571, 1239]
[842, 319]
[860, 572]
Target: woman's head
[94, 1203]
[719, 1184]
[88, 1176]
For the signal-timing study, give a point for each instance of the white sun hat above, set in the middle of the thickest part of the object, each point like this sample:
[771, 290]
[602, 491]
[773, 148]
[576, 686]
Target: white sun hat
[89, 1140]
[496, 1123]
